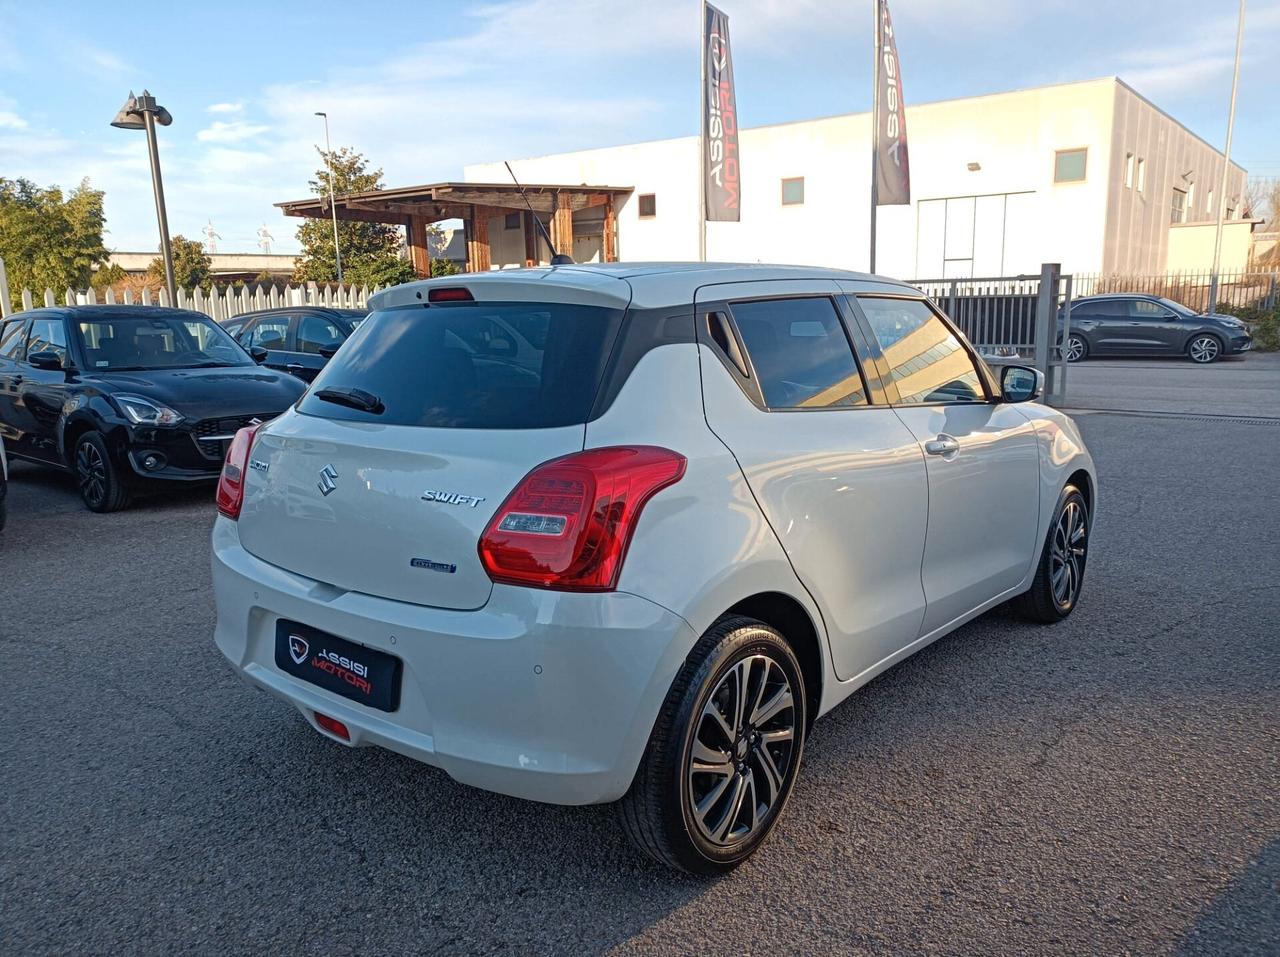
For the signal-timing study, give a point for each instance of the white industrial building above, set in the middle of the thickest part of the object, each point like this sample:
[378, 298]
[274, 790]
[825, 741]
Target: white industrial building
[1091, 175]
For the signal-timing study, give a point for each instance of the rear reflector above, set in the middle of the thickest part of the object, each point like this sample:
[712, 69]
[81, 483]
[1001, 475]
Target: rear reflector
[450, 294]
[333, 726]
[231, 481]
[569, 522]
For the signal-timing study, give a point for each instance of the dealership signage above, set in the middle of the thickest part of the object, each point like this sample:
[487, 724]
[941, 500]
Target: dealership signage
[722, 172]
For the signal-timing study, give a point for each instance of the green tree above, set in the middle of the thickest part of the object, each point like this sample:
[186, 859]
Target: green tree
[191, 265]
[107, 276]
[48, 240]
[370, 251]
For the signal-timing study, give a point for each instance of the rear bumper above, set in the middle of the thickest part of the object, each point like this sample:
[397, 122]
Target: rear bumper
[549, 696]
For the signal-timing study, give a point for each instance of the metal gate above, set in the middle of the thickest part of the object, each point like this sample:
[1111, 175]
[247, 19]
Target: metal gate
[1013, 318]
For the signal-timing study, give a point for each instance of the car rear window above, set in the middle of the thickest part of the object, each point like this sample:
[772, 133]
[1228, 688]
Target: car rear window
[504, 365]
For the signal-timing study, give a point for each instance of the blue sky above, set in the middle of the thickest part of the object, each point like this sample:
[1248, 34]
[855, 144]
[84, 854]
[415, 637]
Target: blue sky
[424, 87]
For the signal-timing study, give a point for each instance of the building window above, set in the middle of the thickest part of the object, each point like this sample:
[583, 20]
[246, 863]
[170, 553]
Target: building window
[793, 191]
[512, 221]
[1209, 206]
[1128, 171]
[648, 205]
[1178, 214]
[1231, 213]
[1068, 166]
[1191, 203]
[1142, 176]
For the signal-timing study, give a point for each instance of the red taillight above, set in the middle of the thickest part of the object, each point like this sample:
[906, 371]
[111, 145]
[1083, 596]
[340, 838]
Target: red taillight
[231, 482]
[569, 522]
[450, 294]
[333, 726]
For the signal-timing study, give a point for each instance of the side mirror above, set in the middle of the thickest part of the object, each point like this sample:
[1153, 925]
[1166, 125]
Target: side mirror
[1021, 383]
[328, 351]
[45, 359]
[259, 354]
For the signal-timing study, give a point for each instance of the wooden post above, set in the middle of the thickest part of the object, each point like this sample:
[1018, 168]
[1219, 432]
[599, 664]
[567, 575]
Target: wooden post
[479, 254]
[562, 225]
[609, 242]
[419, 251]
[531, 244]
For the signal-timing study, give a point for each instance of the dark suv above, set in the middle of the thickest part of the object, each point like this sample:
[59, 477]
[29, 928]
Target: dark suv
[298, 339]
[1121, 324]
[129, 398]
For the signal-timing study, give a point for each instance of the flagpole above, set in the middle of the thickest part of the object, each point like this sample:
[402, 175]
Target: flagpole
[875, 132]
[702, 140]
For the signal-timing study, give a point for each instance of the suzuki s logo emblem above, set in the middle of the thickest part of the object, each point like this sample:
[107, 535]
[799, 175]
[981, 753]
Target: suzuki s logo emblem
[298, 649]
[328, 480]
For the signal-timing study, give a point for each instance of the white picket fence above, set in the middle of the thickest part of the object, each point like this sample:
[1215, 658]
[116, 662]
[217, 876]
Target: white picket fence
[217, 304]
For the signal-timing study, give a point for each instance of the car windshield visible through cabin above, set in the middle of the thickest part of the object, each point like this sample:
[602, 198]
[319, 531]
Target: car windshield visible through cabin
[121, 343]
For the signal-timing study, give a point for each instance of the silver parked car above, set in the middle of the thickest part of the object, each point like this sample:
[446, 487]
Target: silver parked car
[622, 533]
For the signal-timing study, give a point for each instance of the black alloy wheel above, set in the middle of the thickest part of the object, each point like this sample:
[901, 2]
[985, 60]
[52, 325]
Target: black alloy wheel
[724, 753]
[99, 482]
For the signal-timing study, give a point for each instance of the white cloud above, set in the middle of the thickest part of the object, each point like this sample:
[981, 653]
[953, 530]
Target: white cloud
[225, 107]
[232, 132]
[11, 121]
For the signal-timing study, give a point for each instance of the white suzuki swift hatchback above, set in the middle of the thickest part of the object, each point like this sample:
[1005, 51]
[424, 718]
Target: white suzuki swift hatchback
[592, 533]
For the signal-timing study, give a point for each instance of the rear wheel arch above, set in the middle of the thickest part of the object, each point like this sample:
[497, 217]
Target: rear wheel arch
[793, 621]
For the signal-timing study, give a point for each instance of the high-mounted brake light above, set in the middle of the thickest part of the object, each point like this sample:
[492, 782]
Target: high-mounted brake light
[568, 523]
[450, 294]
[231, 481]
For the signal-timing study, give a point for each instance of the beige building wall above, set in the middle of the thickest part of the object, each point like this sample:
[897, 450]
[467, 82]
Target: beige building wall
[1140, 209]
[1004, 216]
[1191, 246]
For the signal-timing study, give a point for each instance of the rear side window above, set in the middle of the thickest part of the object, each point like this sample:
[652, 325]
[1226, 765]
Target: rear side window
[926, 360]
[800, 352]
[473, 365]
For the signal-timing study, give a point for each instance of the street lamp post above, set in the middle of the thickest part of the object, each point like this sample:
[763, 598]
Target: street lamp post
[333, 208]
[143, 113]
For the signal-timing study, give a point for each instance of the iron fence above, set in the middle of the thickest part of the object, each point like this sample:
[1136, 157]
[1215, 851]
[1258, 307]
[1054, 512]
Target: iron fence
[1239, 290]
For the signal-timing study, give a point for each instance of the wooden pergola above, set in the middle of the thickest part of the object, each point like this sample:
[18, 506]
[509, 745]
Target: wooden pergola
[417, 207]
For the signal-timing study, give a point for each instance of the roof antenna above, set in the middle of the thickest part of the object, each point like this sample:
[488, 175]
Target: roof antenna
[557, 259]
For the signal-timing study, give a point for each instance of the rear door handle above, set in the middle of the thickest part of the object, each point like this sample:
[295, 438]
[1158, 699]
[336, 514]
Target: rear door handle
[295, 367]
[943, 445]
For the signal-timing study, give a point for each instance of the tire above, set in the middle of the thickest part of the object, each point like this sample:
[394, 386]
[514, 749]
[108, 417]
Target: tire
[99, 481]
[660, 813]
[1051, 596]
[1077, 348]
[1204, 348]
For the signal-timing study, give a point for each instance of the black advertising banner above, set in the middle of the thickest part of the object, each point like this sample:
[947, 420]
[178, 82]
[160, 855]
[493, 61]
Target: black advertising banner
[722, 173]
[893, 172]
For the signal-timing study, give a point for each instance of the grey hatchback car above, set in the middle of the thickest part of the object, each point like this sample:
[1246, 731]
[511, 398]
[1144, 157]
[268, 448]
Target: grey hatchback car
[1122, 324]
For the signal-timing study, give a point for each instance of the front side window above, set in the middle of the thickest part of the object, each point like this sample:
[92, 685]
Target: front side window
[48, 335]
[927, 362]
[316, 333]
[1145, 309]
[138, 341]
[800, 353]
[1069, 166]
[271, 333]
[12, 339]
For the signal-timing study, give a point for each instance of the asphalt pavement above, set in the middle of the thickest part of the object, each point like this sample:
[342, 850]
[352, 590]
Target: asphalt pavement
[1105, 785]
